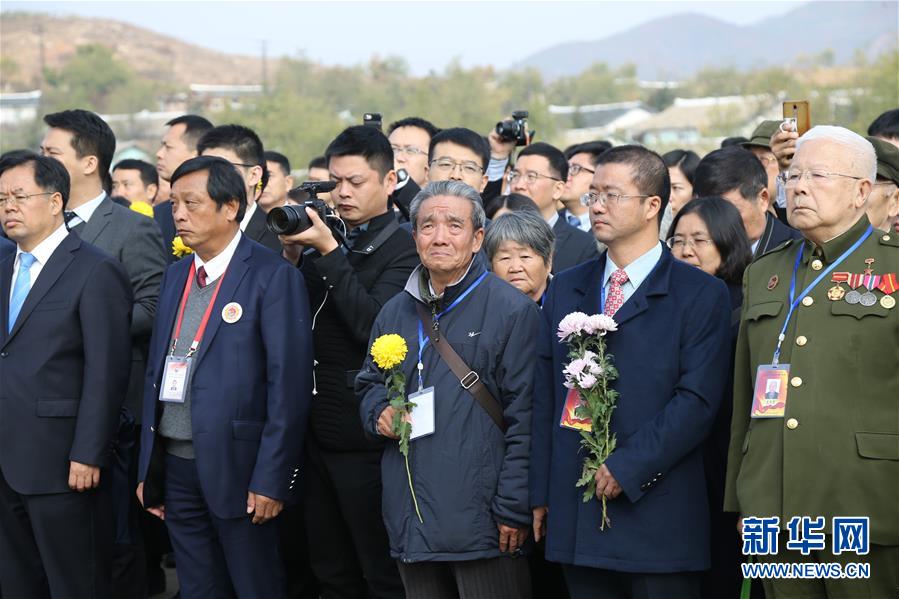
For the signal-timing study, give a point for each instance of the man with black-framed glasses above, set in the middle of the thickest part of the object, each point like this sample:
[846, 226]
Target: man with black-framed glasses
[540, 173]
[242, 147]
[581, 158]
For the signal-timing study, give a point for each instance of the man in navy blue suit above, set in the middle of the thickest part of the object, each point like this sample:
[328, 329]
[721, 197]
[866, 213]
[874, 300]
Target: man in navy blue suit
[227, 393]
[671, 351]
[7, 247]
[65, 312]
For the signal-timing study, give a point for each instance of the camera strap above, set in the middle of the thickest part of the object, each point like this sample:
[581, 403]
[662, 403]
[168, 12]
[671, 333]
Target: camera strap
[468, 378]
[379, 239]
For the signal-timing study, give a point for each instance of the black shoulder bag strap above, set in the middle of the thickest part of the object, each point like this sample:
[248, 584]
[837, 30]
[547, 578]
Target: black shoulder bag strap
[468, 378]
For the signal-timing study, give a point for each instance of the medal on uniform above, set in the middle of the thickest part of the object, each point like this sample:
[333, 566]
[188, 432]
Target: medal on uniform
[871, 281]
[888, 302]
[837, 292]
[772, 282]
[888, 285]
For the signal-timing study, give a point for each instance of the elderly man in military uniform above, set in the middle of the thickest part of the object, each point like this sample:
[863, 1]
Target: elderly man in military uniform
[819, 316]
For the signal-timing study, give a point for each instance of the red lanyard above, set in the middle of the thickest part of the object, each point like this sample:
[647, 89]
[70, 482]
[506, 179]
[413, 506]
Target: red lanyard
[204, 322]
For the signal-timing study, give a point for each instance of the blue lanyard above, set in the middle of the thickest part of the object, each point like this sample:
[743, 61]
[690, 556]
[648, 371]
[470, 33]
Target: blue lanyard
[423, 341]
[794, 301]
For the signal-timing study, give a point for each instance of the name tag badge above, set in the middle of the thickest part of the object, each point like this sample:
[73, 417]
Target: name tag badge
[423, 423]
[174, 379]
[769, 398]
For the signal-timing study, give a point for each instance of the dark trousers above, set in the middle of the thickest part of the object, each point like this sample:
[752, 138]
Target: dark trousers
[54, 545]
[217, 557]
[349, 550]
[596, 583]
[475, 579]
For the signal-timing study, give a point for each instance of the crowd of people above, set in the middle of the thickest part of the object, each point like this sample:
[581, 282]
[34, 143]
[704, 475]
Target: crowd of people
[181, 386]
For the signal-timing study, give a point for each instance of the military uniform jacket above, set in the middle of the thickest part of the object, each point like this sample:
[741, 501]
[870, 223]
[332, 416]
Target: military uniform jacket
[836, 450]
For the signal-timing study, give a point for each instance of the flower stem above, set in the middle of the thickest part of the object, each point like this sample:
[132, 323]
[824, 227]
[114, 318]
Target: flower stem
[414, 500]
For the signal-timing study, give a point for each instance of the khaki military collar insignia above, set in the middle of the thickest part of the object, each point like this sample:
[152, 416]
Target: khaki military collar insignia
[772, 282]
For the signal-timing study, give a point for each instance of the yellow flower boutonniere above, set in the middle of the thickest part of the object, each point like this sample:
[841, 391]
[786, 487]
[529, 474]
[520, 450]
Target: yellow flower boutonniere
[179, 249]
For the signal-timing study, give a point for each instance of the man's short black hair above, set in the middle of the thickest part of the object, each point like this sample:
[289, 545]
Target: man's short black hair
[318, 162]
[49, 173]
[224, 183]
[685, 160]
[194, 128]
[91, 136]
[594, 148]
[280, 159]
[148, 174]
[648, 171]
[466, 138]
[241, 140]
[726, 169]
[733, 141]
[558, 164]
[886, 125]
[368, 142]
[414, 121]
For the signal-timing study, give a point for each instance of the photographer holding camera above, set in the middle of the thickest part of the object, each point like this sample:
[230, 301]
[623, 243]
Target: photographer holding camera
[347, 285]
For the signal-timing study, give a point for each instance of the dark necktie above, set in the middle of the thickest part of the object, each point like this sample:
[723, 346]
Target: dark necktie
[201, 277]
[574, 221]
[69, 215]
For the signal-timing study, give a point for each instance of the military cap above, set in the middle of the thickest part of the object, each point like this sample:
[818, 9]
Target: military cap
[887, 159]
[761, 137]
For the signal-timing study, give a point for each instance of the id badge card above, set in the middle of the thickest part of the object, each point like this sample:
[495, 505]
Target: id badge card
[569, 418]
[769, 397]
[422, 414]
[174, 379]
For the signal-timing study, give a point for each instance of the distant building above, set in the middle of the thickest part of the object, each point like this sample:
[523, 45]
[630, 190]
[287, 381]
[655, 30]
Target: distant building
[19, 107]
[216, 98]
[598, 121]
[704, 121]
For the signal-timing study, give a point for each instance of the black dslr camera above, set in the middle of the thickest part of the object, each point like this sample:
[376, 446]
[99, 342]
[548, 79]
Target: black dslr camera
[516, 130]
[292, 218]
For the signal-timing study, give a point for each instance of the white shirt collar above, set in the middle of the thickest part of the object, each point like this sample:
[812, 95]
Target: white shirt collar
[45, 249]
[755, 245]
[247, 216]
[216, 267]
[638, 270]
[552, 220]
[86, 210]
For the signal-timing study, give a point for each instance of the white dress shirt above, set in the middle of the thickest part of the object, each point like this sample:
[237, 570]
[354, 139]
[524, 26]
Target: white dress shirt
[84, 212]
[247, 216]
[216, 267]
[41, 253]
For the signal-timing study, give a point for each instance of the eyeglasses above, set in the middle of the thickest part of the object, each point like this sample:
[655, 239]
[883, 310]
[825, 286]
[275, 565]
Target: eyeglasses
[448, 165]
[530, 177]
[812, 177]
[244, 165]
[20, 199]
[678, 244]
[604, 197]
[576, 169]
[410, 150]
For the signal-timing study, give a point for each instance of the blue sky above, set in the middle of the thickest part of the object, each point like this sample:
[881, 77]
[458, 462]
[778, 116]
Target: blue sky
[428, 34]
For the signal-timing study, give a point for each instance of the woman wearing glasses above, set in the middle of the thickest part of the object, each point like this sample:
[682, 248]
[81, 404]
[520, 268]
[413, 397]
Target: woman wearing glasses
[708, 233]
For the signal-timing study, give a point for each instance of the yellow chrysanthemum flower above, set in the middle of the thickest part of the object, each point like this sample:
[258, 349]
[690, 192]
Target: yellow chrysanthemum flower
[142, 208]
[179, 249]
[389, 351]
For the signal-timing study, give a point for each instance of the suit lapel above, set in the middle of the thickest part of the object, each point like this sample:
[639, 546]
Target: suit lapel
[655, 284]
[256, 226]
[57, 264]
[237, 268]
[590, 287]
[5, 281]
[170, 301]
[100, 219]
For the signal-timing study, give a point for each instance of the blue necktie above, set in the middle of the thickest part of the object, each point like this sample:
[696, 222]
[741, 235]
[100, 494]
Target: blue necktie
[20, 291]
[574, 221]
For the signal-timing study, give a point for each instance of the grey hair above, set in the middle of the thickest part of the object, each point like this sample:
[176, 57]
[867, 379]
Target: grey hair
[456, 189]
[523, 227]
[861, 151]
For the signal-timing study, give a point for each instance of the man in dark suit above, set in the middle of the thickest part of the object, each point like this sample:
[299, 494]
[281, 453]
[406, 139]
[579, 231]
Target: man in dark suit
[7, 247]
[540, 173]
[179, 143]
[738, 176]
[347, 286]
[242, 147]
[65, 308]
[670, 315]
[85, 145]
[227, 391]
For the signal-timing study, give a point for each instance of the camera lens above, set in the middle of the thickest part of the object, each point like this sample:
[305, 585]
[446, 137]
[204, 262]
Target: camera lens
[507, 130]
[288, 220]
